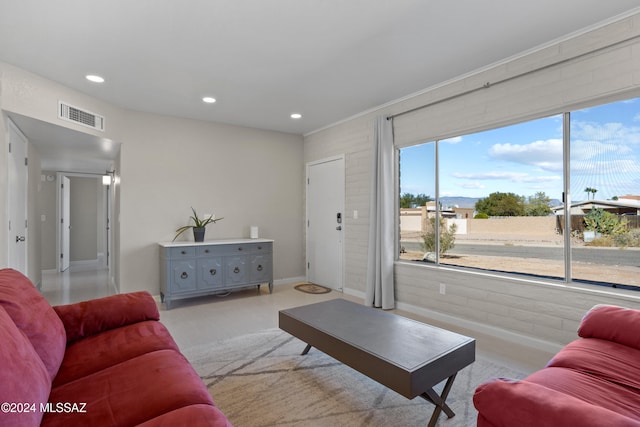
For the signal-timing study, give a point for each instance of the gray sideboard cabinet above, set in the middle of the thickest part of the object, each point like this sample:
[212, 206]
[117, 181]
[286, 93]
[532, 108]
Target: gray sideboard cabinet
[189, 269]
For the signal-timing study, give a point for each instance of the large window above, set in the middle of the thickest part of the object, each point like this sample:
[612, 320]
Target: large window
[497, 200]
[605, 193]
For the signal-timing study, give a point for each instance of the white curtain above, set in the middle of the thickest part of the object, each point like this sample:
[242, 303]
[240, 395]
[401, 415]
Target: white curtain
[380, 286]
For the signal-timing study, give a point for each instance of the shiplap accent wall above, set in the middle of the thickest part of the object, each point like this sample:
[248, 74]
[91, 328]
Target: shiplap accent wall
[536, 313]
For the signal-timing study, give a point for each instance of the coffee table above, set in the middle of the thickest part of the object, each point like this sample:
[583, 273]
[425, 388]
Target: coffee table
[404, 355]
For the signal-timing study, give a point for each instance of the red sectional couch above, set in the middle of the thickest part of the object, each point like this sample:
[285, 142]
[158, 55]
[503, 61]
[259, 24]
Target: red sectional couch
[593, 381]
[104, 362]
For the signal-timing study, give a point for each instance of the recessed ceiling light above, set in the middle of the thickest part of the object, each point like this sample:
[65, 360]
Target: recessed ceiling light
[94, 78]
[208, 99]
[296, 116]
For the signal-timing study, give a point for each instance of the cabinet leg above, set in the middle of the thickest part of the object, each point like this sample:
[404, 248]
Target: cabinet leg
[161, 297]
[270, 287]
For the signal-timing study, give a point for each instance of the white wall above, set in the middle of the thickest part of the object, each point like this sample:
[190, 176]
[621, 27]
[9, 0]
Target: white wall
[540, 313]
[248, 176]
[166, 165]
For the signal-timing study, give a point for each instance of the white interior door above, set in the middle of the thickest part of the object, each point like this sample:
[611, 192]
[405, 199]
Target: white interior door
[65, 222]
[325, 222]
[17, 199]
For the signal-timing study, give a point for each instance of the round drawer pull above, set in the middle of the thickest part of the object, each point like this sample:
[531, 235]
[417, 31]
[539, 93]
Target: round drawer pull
[213, 271]
[184, 275]
[259, 247]
[206, 251]
[183, 252]
[259, 267]
[240, 248]
[236, 270]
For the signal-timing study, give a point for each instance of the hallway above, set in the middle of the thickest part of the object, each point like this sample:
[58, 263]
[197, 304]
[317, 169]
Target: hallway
[75, 284]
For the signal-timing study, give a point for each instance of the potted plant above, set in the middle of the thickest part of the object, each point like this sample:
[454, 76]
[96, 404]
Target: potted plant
[198, 226]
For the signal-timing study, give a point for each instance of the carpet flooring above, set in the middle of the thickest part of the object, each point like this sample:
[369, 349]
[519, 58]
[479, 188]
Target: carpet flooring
[261, 380]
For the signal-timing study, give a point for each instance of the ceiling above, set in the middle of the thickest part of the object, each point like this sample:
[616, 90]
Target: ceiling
[263, 60]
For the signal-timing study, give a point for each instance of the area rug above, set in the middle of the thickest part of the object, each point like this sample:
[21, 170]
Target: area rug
[261, 380]
[311, 288]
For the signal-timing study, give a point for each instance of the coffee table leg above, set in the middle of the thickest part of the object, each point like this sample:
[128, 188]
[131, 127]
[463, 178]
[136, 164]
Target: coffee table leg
[439, 401]
[306, 349]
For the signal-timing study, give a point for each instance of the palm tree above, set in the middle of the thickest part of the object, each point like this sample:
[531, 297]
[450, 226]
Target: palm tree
[592, 191]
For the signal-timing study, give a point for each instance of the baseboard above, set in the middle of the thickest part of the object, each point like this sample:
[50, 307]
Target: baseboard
[354, 293]
[88, 264]
[289, 280]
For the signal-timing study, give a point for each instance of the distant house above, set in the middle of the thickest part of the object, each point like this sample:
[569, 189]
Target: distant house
[625, 205]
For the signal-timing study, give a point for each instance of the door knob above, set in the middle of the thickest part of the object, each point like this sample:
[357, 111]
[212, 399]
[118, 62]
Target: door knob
[339, 228]
[20, 239]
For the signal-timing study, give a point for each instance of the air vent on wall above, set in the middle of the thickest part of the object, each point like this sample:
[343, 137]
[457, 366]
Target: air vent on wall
[79, 116]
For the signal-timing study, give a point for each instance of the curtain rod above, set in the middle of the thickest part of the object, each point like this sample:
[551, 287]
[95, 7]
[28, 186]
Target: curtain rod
[517, 76]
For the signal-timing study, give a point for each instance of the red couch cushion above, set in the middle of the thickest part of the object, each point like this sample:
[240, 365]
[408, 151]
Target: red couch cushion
[35, 317]
[612, 323]
[109, 348]
[505, 403]
[590, 389]
[608, 360]
[131, 392]
[23, 377]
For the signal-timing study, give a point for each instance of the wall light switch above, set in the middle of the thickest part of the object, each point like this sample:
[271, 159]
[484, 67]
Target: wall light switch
[355, 214]
[443, 289]
[43, 218]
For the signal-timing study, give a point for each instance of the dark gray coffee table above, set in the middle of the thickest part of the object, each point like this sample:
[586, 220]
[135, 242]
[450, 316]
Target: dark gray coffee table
[404, 355]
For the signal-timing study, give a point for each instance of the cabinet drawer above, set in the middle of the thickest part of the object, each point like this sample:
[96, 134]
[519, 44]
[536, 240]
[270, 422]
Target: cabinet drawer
[253, 248]
[181, 252]
[208, 250]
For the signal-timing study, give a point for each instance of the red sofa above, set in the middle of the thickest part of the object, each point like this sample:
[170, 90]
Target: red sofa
[593, 381]
[104, 362]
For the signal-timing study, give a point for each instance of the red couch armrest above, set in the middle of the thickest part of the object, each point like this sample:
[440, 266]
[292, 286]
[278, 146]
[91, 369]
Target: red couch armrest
[102, 314]
[507, 403]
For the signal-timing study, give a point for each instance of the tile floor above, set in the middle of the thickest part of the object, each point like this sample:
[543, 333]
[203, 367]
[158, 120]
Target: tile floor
[202, 320]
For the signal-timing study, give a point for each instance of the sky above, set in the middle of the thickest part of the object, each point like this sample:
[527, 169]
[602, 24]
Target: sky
[526, 158]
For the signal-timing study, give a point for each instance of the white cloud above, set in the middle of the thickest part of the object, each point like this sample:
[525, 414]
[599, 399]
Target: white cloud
[511, 176]
[453, 140]
[545, 154]
[541, 179]
[612, 133]
[506, 176]
[616, 167]
[473, 185]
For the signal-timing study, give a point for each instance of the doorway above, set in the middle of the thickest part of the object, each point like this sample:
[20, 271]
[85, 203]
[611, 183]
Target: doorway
[83, 218]
[325, 222]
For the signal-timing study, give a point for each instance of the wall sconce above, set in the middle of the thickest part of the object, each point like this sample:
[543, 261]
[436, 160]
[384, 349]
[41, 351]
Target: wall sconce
[109, 178]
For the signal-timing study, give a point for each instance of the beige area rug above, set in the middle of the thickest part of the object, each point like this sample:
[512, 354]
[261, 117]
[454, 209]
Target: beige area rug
[311, 288]
[261, 380]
